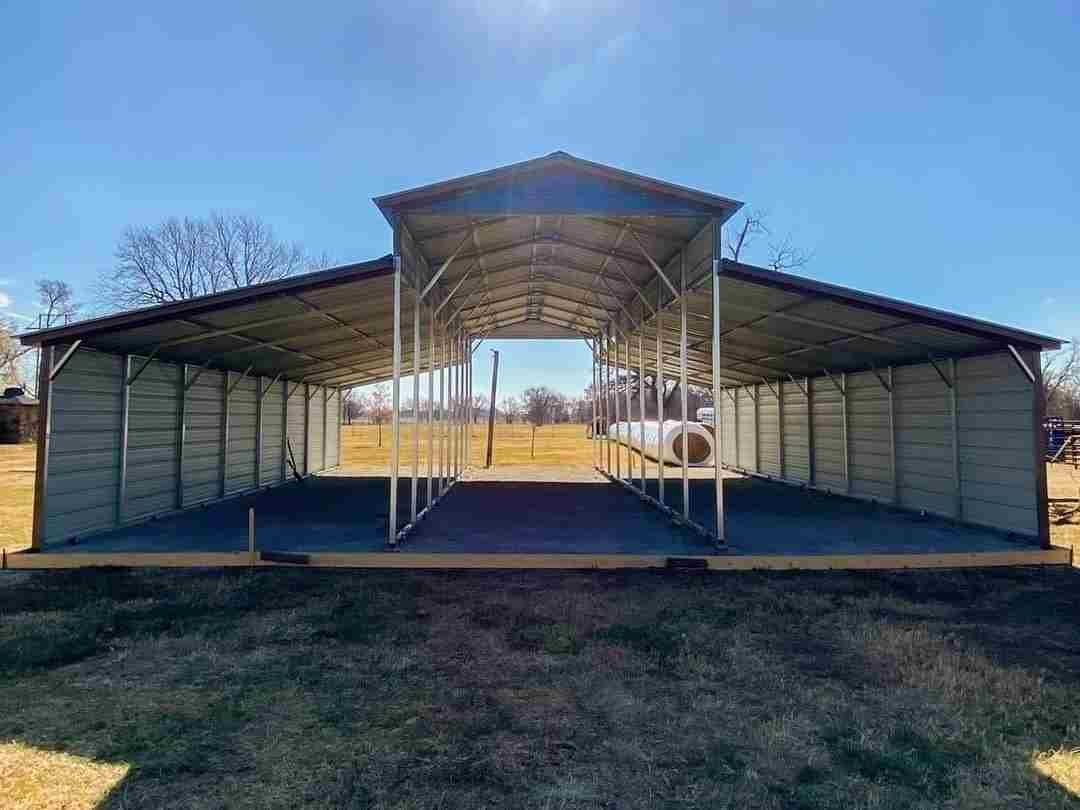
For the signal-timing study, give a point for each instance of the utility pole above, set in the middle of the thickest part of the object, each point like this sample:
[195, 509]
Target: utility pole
[491, 406]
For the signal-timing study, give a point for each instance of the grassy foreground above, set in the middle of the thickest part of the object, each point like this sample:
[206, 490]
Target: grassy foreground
[327, 689]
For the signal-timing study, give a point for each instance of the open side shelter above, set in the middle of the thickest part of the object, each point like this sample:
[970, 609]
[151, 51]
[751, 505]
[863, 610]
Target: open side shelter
[156, 412]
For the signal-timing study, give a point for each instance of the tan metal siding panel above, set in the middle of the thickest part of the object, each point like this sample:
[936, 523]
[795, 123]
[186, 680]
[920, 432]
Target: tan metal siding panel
[318, 425]
[240, 472]
[333, 416]
[271, 433]
[924, 460]
[747, 430]
[768, 432]
[202, 438]
[828, 435]
[152, 440]
[869, 441]
[796, 434]
[84, 446]
[727, 414]
[296, 439]
[996, 426]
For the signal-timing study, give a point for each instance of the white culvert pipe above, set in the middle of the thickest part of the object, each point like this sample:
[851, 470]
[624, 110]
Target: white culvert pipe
[699, 441]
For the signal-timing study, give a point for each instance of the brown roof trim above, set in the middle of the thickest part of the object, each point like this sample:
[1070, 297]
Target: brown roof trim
[388, 203]
[148, 316]
[986, 330]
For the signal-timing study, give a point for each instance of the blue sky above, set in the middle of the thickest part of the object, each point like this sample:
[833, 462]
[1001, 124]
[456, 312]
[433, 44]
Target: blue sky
[925, 151]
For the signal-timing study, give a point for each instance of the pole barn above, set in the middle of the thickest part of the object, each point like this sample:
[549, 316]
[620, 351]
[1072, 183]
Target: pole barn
[914, 433]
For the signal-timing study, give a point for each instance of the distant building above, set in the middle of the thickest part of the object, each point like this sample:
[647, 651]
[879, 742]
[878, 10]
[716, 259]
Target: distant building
[18, 417]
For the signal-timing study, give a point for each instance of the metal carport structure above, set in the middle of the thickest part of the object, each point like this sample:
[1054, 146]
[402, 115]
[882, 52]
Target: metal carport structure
[817, 385]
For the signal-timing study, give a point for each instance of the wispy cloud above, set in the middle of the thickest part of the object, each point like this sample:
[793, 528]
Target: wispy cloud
[5, 300]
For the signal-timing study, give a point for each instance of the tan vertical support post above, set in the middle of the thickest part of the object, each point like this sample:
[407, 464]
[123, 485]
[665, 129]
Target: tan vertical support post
[605, 372]
[181, 436]
[641, 400]
[259, 381]
[615, 396]
[592, 428]
[683, 384]
[284, 427]
[629, 417]
[757, 427]
[810, 450]
[958, 491]
[660, 389]
[224, 434]
[451, 407]
[325, 416]
[416, 402]
[844, 433]
[431, 412]
[125, 421]
[718, 440]
[780, 427]
[1038, 413]
[41, 470]
[440, 350]
[892, 439]
[307, 429]
[735, 419]
[395, 419]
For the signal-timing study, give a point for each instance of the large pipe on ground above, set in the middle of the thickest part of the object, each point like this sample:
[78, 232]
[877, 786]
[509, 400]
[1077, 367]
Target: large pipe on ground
[699, 441]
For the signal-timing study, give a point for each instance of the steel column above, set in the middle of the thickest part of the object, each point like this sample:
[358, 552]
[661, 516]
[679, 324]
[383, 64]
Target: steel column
[416, 404]
[259, 430]
[641, 402]
[718, 439]
[892, 439]
[958, 491]
[430, 412]
[615, 393]
[225, 434]
[181, 429]
[682, 383]
[629, 414]
[395, 419]
[125, 420]
[659, 380]
[844, 433]
[46, 360]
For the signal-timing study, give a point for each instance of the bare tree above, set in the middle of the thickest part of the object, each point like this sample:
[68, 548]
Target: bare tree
[179, 259]
[510, 408]
[540, 404]
[1061, 380]
[356, 405]
[11, 373]
[783, 255]
[479, 407]
[379, 406]
[56, 302]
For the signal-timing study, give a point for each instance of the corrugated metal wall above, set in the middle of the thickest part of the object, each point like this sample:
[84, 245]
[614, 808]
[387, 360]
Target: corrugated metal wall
[240, 458]
[317, 430]
[333, 420]
[82, 488]
[272, 414]
[297, 435]
[91, 485]
[203, 437]
[966, 452]
[153, 444]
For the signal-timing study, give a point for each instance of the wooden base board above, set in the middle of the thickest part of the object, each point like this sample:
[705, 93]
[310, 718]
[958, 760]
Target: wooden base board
[408, 560]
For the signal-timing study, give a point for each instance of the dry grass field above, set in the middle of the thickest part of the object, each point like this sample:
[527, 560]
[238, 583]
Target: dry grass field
[330, 689]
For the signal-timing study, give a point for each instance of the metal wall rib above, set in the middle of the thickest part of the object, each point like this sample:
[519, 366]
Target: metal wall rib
[92, 485]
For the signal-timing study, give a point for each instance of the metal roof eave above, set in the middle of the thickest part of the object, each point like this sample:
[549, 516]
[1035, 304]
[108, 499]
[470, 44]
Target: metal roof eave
[884, 305]
[148, 316]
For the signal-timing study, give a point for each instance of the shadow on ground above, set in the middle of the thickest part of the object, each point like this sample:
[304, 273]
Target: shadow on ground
[320, 689]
